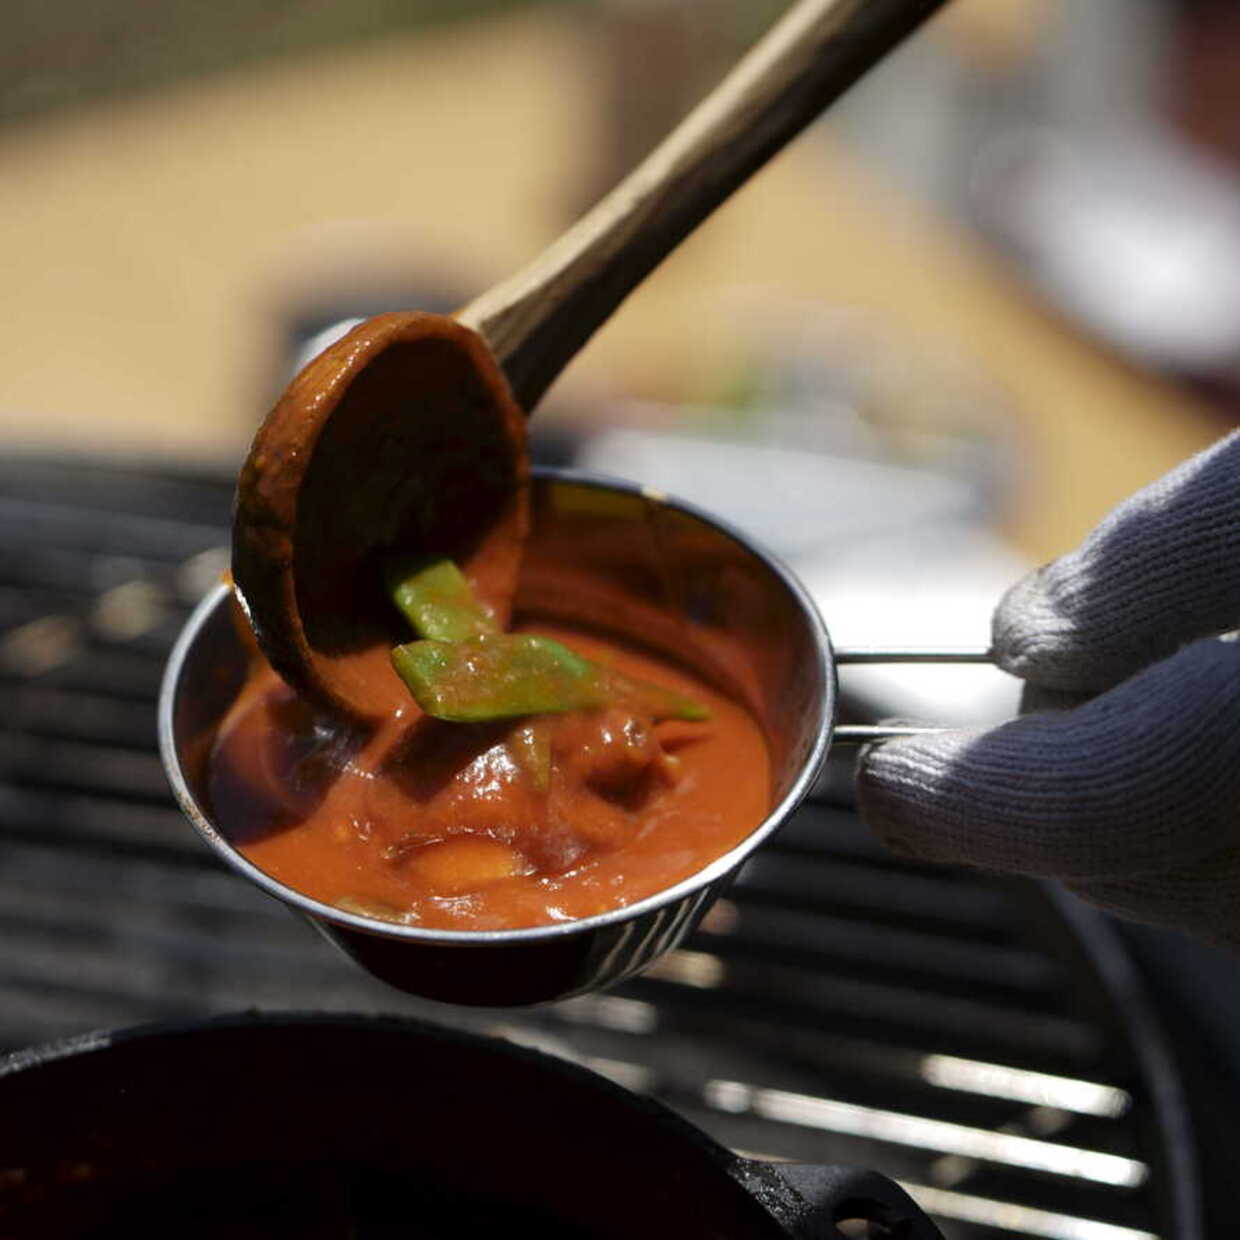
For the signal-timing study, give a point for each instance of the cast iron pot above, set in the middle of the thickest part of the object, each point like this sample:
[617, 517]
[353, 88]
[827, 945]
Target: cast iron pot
[324, 1126]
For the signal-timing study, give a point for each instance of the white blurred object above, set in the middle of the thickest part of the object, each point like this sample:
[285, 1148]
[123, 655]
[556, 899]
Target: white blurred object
[931, 586]
[1134, 234]
[893, 556]
[321, 340]
[790, 499]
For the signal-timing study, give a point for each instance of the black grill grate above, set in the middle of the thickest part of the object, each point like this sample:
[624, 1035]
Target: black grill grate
[840, 1006]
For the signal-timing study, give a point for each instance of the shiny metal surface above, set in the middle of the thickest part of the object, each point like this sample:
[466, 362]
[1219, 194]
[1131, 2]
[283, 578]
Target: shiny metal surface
[611, 555]
[912, 654]
[869, 733]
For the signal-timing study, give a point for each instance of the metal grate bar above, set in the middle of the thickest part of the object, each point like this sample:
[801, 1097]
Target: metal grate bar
[841, 1005]
[788, 876]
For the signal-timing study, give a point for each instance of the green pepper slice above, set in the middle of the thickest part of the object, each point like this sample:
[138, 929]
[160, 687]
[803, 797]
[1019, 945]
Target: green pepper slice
[437, 600]
[504, 676]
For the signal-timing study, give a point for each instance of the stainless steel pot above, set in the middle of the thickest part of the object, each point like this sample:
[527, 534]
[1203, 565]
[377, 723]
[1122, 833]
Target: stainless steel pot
[680, 580]
[612, 555]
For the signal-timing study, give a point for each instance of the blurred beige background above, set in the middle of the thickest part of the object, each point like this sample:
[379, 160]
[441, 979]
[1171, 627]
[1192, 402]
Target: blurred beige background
[151, 241]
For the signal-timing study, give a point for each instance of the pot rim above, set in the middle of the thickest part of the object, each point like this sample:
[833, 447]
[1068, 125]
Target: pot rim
[78, 1046]
[31, 1058]
[525, 935]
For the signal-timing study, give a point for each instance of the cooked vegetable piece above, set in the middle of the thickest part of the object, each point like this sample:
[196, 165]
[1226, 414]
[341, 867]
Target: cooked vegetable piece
[530, 746]
[497, 677]
[512, 674]
[437, 600]
[465, 863]
[655, 700]
[363, 907]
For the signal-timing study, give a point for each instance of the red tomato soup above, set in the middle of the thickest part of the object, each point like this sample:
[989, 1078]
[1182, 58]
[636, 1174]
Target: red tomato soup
[490, 826]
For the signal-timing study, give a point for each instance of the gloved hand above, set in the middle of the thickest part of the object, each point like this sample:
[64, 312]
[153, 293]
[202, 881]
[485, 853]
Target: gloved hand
[1130, 795]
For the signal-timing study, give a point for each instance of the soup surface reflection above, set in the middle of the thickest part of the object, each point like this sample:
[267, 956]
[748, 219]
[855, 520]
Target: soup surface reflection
[490, 826]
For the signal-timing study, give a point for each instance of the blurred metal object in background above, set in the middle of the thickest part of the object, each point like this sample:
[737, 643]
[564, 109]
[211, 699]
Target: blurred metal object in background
[1133, 234]
[876, 465]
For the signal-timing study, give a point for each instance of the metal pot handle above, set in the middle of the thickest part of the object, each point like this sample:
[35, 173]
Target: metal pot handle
[832, 1195]
[866, 733]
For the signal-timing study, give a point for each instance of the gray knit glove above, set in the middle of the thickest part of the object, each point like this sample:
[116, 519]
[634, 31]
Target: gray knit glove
[1131, 796]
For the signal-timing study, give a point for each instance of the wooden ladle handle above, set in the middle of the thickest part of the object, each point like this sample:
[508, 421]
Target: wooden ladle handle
[535, 321]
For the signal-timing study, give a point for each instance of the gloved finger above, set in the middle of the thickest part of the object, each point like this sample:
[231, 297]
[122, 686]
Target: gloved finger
[1202, 897]
[1161, 570]
[1035, 697]
[1142, 778]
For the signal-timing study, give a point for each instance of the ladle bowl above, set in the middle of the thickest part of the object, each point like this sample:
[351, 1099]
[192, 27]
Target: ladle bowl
[401, 435]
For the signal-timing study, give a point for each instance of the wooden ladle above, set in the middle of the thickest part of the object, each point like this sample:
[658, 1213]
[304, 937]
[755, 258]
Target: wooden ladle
[409, 432]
